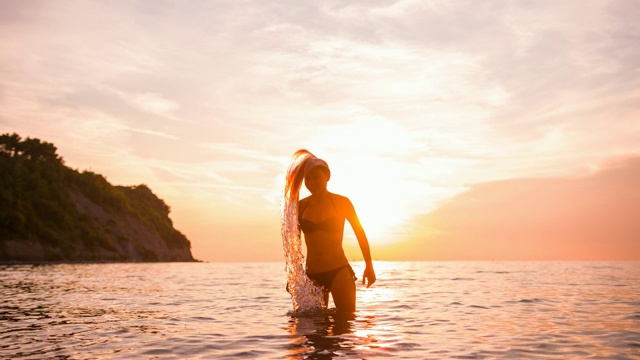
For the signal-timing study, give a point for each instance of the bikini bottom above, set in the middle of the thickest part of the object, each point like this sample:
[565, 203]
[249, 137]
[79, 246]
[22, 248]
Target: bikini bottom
[326, 278]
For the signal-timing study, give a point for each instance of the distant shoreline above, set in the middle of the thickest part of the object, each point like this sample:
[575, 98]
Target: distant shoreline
[4, 262]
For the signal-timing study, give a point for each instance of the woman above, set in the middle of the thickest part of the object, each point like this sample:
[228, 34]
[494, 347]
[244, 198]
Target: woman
[321, 218]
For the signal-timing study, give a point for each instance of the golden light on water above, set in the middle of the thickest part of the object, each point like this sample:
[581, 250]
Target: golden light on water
[371, 332]
[370, 298]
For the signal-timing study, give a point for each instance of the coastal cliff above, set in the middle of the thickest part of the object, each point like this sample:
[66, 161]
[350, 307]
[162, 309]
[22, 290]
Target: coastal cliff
[50, 212]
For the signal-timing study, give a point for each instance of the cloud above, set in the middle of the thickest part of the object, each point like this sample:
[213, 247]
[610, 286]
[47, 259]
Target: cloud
[154, 103]
[586, 218]
[218, 95]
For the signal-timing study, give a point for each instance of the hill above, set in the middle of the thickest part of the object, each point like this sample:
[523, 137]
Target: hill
[50, 212]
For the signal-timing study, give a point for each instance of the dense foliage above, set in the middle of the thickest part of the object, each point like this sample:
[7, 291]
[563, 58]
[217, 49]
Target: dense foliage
[36, 202]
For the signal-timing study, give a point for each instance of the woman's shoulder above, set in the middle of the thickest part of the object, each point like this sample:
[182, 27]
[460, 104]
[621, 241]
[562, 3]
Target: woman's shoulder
[340, 199]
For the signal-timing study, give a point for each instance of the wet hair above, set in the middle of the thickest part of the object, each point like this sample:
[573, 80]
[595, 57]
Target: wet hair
[302, 162]
[304, 294]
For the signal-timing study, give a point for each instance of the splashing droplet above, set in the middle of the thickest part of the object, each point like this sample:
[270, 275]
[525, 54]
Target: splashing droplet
[306, 297]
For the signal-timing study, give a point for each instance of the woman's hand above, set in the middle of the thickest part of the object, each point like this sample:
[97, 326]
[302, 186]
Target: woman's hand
[369, 275]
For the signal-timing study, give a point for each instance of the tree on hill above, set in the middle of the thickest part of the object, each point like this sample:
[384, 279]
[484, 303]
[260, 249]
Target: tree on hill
[37, 202]
[30, 149]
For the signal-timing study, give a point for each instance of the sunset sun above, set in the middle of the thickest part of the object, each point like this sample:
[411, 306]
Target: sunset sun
[382, 206]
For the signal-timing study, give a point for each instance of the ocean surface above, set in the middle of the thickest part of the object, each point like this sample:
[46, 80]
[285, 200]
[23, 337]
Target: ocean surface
[421, 310]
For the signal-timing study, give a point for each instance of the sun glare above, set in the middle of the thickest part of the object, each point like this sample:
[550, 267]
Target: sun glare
[379, 199]
[382, 200]
[369, 157]
[366, 155]
[380, 217]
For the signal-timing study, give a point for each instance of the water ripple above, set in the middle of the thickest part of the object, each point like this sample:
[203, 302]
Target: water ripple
[415, 310]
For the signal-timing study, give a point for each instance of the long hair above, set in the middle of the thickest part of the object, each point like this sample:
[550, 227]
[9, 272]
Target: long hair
[295, 173]
[304, 294]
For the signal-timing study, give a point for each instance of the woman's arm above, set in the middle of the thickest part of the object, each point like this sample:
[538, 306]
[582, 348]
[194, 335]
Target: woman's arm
[353, 219]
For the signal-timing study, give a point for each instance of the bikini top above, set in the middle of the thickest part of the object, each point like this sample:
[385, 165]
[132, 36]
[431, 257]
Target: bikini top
[332, 224]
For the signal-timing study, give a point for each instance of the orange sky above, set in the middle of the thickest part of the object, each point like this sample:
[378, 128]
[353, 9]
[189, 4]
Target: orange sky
[459, 130]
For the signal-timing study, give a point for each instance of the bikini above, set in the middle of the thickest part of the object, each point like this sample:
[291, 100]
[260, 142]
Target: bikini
[334, 224]
[325, 278]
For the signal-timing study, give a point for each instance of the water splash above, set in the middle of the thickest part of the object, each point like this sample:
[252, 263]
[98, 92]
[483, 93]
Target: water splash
[306, 297]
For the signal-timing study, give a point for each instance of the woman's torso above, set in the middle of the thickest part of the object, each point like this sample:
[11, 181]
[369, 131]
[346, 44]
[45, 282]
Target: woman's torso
[322, 221]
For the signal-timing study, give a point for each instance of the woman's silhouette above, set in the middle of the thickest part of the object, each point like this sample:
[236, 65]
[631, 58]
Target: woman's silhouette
[321, 218]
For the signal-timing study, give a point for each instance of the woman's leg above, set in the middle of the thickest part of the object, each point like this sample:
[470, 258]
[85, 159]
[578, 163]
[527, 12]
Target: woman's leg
[343, 291]
[325, 299]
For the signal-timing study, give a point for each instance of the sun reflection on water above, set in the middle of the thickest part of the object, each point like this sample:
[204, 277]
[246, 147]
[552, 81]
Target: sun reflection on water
[329, 334]
[415, 310]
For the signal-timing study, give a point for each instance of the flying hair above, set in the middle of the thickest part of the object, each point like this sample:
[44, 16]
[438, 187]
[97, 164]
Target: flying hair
[304, 294]
[296, 172]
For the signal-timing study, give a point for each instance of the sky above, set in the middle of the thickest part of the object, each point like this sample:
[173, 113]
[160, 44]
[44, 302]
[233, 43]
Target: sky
[460, 130]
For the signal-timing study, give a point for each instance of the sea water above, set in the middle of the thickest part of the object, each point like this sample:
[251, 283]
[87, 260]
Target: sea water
[421, 310]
